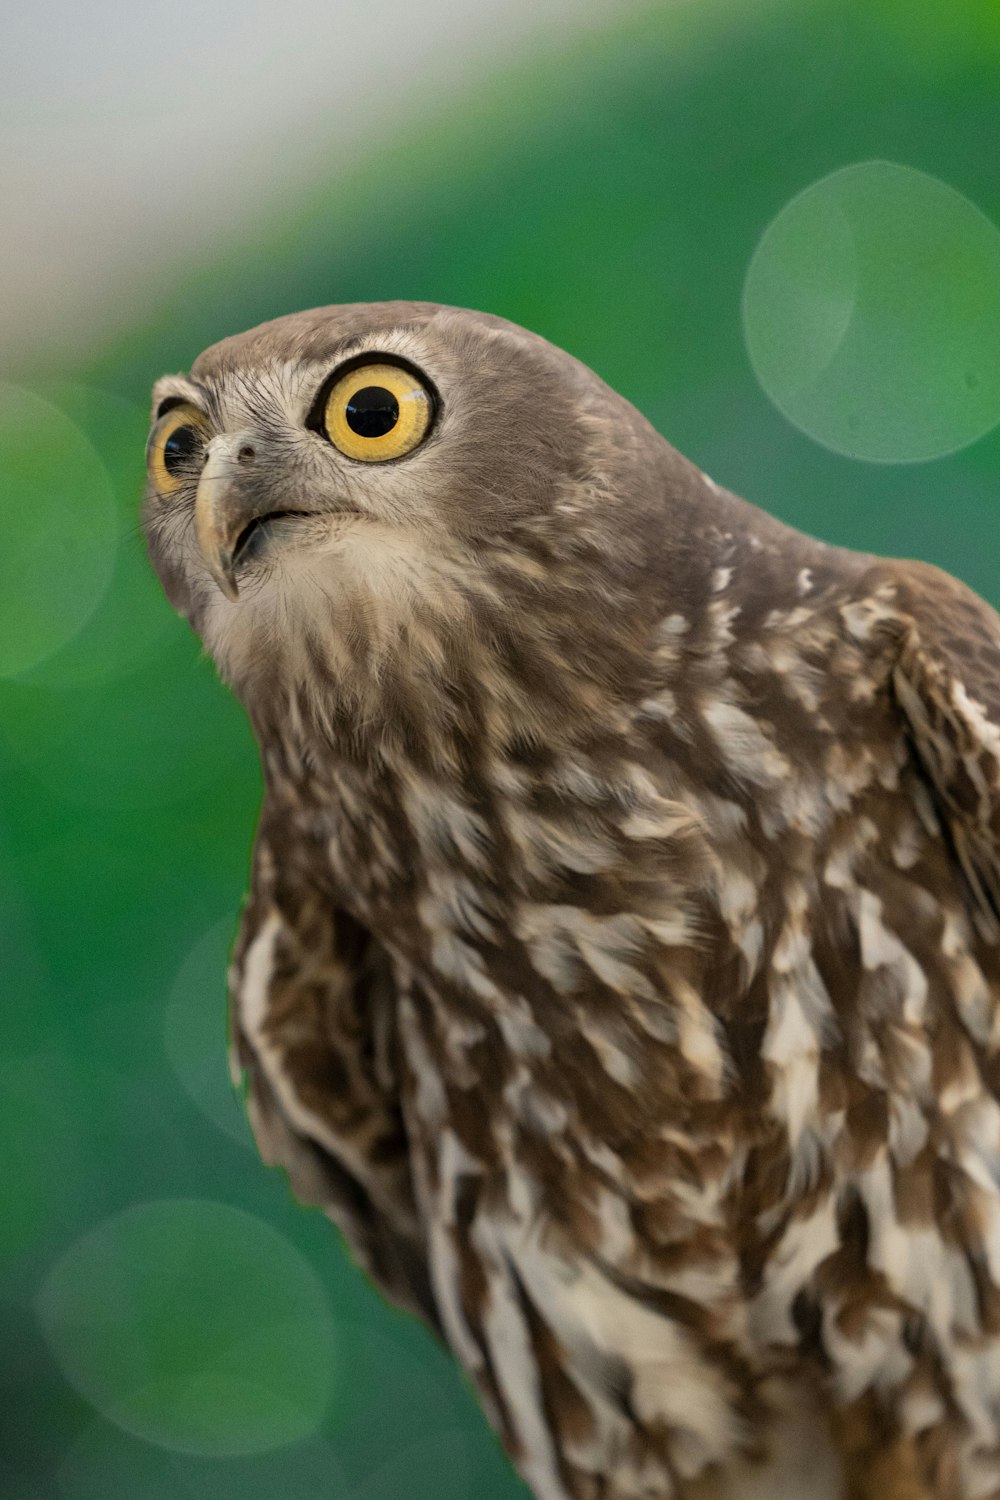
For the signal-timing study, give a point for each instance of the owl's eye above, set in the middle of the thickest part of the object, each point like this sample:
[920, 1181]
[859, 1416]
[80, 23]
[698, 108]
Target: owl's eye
[175, 448]
[377, 412]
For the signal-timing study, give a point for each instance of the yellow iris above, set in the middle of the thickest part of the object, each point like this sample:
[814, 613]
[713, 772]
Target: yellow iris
[176, 444]
[377, 412]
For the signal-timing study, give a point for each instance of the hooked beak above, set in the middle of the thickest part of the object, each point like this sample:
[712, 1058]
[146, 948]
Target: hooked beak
[225, 505]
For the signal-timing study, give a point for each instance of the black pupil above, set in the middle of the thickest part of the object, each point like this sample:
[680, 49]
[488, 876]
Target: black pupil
[179, 448]
[372, 412]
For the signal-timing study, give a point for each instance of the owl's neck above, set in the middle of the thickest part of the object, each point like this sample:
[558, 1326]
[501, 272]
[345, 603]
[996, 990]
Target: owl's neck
[467, 711]
[387, 651]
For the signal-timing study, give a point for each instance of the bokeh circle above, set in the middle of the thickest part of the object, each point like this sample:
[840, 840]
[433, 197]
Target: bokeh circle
[104, 1462]
[60, 529]
[871, 312]
[195, 1326]
[133, 620]
[195, 1031]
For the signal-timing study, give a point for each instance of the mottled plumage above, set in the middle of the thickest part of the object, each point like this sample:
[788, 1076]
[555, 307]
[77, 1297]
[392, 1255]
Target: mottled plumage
[620, 968]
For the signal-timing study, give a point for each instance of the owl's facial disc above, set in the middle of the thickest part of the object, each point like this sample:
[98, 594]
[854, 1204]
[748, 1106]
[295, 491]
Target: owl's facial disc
[371, 410]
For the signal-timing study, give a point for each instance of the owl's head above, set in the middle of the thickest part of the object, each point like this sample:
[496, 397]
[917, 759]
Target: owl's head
[372, 499]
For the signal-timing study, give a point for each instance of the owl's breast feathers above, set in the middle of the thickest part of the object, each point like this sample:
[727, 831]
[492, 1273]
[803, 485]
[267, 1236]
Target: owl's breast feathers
[669, 1042]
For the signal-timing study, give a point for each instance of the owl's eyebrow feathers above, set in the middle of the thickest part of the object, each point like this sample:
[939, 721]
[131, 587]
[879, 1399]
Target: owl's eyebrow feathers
[172, 390]
[395, 342]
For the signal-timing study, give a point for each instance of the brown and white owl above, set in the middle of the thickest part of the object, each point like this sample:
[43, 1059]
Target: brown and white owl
[621, 967]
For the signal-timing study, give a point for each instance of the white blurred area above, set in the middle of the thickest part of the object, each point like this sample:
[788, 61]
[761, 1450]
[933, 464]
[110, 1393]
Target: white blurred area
[136, 138]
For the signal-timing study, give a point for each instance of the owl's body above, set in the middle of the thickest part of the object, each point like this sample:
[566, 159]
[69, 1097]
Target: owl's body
[621, 966]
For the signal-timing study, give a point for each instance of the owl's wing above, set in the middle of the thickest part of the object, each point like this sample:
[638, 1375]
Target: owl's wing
[946, 678]
[311, 1018]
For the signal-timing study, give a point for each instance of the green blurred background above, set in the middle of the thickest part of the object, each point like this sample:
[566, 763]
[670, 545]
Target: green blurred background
[659, 189]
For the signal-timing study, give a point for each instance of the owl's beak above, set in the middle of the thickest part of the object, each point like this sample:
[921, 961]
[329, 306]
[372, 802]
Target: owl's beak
[223, 508]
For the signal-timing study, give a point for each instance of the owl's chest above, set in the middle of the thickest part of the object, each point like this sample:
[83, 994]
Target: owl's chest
[546, 961]
[491, 893]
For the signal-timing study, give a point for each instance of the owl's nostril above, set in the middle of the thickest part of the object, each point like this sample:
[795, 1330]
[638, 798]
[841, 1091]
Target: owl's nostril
[247, 453]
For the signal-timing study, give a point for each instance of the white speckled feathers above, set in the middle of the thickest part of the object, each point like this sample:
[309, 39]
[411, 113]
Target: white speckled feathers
[621, 966]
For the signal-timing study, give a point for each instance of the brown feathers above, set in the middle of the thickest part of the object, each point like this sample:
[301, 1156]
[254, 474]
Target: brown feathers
[621, 966]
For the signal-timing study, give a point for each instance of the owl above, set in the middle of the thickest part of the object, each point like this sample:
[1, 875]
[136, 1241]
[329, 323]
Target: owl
[621, 964]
